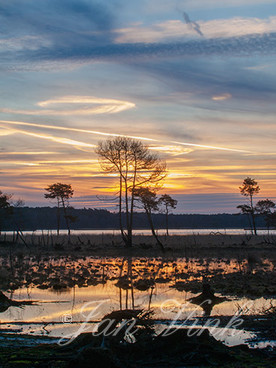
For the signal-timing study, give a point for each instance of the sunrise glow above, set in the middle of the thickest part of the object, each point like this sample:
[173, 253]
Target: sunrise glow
[197, 87]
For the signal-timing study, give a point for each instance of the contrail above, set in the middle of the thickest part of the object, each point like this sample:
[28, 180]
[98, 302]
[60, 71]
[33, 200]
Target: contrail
[193, 25]
[56, 139]
[211, 147]
[75, 143]
[73, 130]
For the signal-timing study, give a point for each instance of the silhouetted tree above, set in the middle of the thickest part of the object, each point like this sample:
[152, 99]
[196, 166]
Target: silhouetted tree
[4, 204]
[62, 193]
[264, 208]
[4, 200]
[18, 221]
[168, 202]
[271, 219]
[248, 189]
[150, 203]
[136, 166]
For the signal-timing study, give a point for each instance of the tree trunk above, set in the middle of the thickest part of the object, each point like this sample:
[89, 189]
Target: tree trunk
[129, 229]
[250, 223]
[167, 221]
[132, 200]
[153, 230]
[254, 224]
[253, 215]
[66, 218]
[58, 218]
[120, 211]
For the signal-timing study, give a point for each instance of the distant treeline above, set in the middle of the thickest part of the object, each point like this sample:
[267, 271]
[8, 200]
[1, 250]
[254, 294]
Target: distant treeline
[28, 218]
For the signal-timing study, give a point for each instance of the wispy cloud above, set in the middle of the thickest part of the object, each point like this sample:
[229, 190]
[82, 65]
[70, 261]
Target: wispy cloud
[192, 24]
[211, 147]
[172, 38]
[222, 97]
[107, 105]
[104, 106]
[174, 150]
[29, 153]
[171, 149]
[206, 4]
[21, 43]
[227, 46]
[202, 83]
[5, 131]
[177, 30]
[64, 17]
[68, 129]
[206, 104]
[60, 140]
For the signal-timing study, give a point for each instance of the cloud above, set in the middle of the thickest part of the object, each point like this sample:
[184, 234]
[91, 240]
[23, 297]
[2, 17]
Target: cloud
[178, 31]
[104, 106]
[60, 140]
[73, 32]
[187, 203]
[218, 4]
[224, 96]
[45, 27]
[5, 131]
[193, 25]
[169, 149]
[172, 149]
[165, 6]
[28, 42]
[68, 129]
[30, 153]
[75, 18]
[203, 82]
[210, 147]
[61, 31]
[232, 46]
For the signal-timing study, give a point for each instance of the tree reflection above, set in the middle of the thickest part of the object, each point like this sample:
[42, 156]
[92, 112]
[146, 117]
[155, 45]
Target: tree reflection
[207, 299]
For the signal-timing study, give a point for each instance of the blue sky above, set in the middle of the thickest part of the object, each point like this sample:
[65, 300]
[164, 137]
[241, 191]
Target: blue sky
[195, 79]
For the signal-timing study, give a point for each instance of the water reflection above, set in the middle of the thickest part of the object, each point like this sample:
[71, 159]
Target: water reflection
[207, 299]
[70, 287]
[6, 303]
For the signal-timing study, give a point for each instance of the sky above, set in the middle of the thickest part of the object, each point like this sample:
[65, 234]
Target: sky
[195, 80]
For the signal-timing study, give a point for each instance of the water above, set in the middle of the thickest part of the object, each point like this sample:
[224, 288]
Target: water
[148, 232]
[71, 295]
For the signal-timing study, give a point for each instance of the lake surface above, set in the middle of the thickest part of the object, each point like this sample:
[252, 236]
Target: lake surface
[71, 295]
[148, 232]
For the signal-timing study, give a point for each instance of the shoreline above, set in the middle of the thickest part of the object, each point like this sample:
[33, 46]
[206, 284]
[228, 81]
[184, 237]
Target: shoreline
[143, 245]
